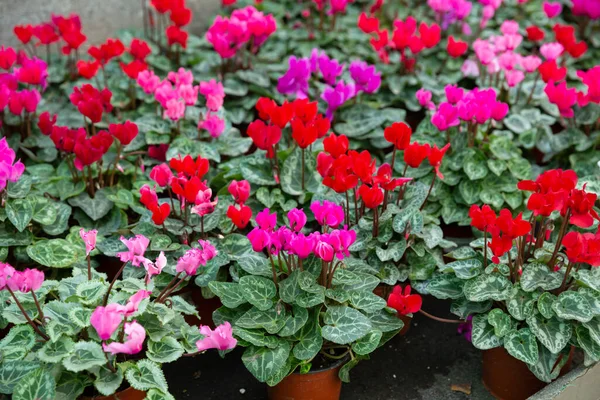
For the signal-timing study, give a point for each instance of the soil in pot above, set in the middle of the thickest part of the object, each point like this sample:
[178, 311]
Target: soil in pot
[321, 383]
[127, 394]
[507, 378]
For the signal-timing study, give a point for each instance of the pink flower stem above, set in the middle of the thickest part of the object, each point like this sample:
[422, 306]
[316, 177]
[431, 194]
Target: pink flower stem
[168, 287]
[273, 269]
[302, 168]
[33, 325]
[113, 282]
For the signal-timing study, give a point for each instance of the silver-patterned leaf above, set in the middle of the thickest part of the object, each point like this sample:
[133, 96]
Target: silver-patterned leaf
[553, 333]
[344, 325]
[522, 345]
[572, 305]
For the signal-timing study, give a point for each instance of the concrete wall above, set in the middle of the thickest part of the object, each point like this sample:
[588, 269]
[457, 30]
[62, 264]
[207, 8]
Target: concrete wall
[100, 18]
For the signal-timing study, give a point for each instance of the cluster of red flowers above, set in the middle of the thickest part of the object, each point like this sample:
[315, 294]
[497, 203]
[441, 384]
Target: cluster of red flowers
[91, 102]
[563, 34]
[554, 190]
[404, 36]
[160, 212]
[139, 50]
[59, 27]
[240, 214]
[307, 123]
[102, 55]
[179, 15]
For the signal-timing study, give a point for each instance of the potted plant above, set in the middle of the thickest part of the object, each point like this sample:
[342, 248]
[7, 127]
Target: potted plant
[85, 336]
[531, 285]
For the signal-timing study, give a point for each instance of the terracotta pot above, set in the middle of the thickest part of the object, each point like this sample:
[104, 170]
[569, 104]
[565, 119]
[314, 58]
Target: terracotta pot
[205, 307]
[322, 384]
[384, 291]
[127, 394]
[507, 378]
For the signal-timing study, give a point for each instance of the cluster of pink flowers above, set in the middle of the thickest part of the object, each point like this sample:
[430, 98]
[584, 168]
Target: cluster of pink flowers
[332, 243]
[476, 106]
[296, 80]
[332, 6]
[25, 71]
[177, 91]
[25, 281]
[196, 257]
[9, 169]
[450, 12]
[246, 26]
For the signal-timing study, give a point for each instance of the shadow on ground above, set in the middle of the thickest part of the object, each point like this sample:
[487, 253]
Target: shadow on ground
[423, 365]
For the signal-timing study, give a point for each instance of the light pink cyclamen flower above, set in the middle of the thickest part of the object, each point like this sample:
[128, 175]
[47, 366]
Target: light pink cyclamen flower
[424, 98]
[531, 63]
[188, 93]
[470, 68]
[509, 27]
[6, 273]
[327, 213]
[26, 281]
[195, 257]
[174, 110]
[148, 81]
[551, 51]
[133, 303]
[106, 320]
[214, 93]
[165, 92]
[181, 77]
[221, 338]
[136, 248]
[155, 268]
[89, 238]
[203, 204]
[134, 342]
[514, 77]
[213, 124]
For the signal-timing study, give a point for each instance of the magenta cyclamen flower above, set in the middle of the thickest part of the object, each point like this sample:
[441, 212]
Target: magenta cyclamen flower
[89, 238]
[327, 213]
[424, 98]
[106, 320]
[445, 117]
[213, 124]
[9, 169]
[297, 219]
[174, 109]
[302, 245]
[266, 220]
[330, 68]
[221, 338]
[563, 97]
[26, 281]
[133, 343]
[148, 81]
[454, 94]
[195, 257]
[591, 79]
[337, 96]
[259, 239]
[365, 77]
[295, 80]
[214, 93]
[136, 248]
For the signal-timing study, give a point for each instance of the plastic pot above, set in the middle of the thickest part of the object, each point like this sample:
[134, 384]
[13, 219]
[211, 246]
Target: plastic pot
[324, 384]
[127, 394]
[507, 378]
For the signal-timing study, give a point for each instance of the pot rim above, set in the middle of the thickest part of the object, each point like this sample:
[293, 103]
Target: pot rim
[335, 365]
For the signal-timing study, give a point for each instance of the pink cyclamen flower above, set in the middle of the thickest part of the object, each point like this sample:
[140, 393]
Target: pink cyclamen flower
[6, 273]
[240, 190]
[551, 51]
[337, 96]
[302, 245]
[552, 9]
[591, 79]
[259, 239]
[188, 93]
[174, 110]
[499, 111]
[297, 219]
[9, 169]
[161, 174]
[446, 116]
[30, 100]
[221, 338]
[89, 238]
[531, 63]
[214, 93]
[327, 213]
[133, 343]
[155, 268]
[324, 250]
[148, 81]
[136, 247]
[106, 320]
[454, 94]
[181, 77]
[165, 92]
[203, 204]
[424, 98]
[470, 68]
[330, 68]
[514, 77]
[29, 280]
[509, 27]
[134, 302]
[266, 220]
[213, 124]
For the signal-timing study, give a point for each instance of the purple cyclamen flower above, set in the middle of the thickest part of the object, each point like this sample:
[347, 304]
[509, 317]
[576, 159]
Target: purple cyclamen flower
[365, 76]
[336, 96]
[330, 68]
[295, 80]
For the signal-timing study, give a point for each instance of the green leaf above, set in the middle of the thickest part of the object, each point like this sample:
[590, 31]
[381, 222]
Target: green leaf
[44, 210]
[520, 168]
[465, 269]
[544, 304]
[85, 355]
[61, 223]
[55, 253]
[71, 385]
[344, 325]
[368, 343]
[254, 264]
[263, 362]
[552, 332]
[289, 288]
[487, 287]
[496, 166]
[587, 343]
[360, 119]
[38, 385]
[394, 252]
[367, 301]
[521, 304]
[403, 218]
[594, 328]
[291, 173]
[258, 291]
[108, 382]
[476, 166]
[229, 293]
[522, 345]
[272, 320]
[517, 123]
[482, 335]
[95, 208]
[166, 350]
[20, 336]
[572, 305]
[309, 339]
[54, 352]
[500, 321]
[91, 292]
[256, 337]
[19, 212]
[538, 275]
[19, 189]
[547, 368]
[462, 253]
[445, 286]
[385, 321]
[13, 371]
[145, 375]
[294, 322]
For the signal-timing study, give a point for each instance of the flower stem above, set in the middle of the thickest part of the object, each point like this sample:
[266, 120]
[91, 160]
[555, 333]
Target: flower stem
[113, 282]
[33, 325]
[428, 192]
[37, 304]
[168, 287]
[448, 321]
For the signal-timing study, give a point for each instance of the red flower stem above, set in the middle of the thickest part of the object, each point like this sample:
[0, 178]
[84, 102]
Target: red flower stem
[37, 304]
[202, 225]
[485, 246]
[537, 77]
[561, 234]
[168, 286]
[355, 208]
[428, 192]
[566, 278]
[348, 207]
[273, 269]
[173, 289]
[375, 222]
[302, 168]
[89, 266]
[448, 321]
[113, 282]
[33, 325]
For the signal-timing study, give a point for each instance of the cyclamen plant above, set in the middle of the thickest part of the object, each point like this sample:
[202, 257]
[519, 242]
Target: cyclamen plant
[531, 285]
[303, 299]
[86, 328]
